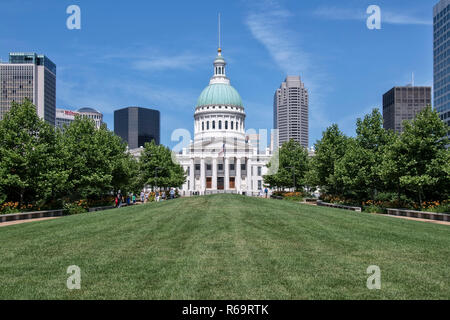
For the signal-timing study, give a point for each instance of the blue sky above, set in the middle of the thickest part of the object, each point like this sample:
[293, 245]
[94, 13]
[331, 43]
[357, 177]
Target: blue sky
[158, 54]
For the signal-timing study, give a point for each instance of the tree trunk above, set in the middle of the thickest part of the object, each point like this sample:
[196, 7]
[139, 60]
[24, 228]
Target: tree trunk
[420, 199]
[21, 198]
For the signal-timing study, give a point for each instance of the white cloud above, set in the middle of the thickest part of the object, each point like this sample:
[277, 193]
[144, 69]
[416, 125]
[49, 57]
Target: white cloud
[387, 16]
[280, 42]
[267, 25]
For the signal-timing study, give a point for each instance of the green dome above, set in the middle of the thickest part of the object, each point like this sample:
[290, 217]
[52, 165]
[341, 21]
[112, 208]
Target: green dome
[219, 94]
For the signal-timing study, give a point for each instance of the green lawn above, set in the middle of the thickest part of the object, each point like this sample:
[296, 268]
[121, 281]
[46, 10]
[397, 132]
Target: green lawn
[225, 247]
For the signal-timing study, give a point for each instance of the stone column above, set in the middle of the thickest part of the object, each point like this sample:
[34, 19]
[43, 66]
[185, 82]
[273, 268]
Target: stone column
[238, 175]
[249, 177]
[202, 176]
[214, 173]
[227, 173]
[192, 176]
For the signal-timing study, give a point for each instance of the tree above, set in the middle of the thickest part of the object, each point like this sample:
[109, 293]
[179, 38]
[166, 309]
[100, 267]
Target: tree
[292, 167]
[97, 160]
[329, 150]
[31, 164]
[357, 172]
[417, 162]
[157, 169]
[124, 167]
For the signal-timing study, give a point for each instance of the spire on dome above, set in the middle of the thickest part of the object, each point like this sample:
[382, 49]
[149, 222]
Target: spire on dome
[219, 50]
[219, 63]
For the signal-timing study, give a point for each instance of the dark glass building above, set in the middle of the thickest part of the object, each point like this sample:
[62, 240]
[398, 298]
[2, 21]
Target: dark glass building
[441, 50]
[137, 126]
[404, 103]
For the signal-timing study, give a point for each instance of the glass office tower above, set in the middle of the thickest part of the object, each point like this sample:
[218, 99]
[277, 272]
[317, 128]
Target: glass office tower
[291, 111]
[441, 19]
[32, 76]
[403, 103]
[137, 126]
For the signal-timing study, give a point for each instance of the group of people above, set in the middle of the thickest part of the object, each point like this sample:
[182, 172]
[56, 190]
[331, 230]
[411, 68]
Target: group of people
[266, 193]
[161, 196]
[144, 197]
[120, 199]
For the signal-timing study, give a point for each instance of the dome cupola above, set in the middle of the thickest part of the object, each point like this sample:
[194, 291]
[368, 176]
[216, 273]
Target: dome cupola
[219, 92]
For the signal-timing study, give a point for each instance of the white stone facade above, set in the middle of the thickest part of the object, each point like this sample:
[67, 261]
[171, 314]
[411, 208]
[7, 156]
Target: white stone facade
[221, 158]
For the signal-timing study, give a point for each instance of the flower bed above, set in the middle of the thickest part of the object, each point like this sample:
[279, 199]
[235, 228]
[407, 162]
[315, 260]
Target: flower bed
[72, 207]
[291, 196]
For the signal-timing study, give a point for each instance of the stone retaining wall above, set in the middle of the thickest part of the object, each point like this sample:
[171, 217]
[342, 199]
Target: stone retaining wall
[419, 214]
[42, 214]
[338, 206]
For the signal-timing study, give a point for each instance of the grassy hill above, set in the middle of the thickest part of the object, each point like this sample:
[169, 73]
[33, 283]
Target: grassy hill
[225, 247]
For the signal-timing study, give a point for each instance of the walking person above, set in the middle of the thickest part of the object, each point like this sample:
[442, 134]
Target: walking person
[119, 198]
[172, 193]
[142, 196]
[266, 191]
[163, 195]
[157, 196]
[134, 198]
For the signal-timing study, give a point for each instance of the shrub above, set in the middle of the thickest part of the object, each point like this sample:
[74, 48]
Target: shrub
[76, 208]
[435, 206]
[374, 209]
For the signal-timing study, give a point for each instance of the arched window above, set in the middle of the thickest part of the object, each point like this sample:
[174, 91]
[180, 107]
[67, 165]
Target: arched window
[203, 126]
[220, 124]
[213, 125]
[232, 125]
[207, 125]
[226, 125]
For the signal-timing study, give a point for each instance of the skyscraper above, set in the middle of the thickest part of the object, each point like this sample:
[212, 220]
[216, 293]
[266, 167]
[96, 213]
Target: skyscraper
[403, 103]
[32, 76]
[290, 111]
[137, 126]
[441, 23]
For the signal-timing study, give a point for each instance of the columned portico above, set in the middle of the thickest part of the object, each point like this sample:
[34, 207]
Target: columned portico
[192, 175]
[238, 173]
[227, 174]
[202, 175]
[249, 176]
[214, 173]
[220, 148]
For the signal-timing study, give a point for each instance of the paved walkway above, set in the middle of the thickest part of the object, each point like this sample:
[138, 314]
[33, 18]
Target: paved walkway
[447, 223]
[10, 223]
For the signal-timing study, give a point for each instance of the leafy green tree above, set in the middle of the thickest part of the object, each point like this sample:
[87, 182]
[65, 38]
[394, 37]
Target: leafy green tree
[157, 168]
[358, 172]
[31, 165]
[331, 148]
[124, 167]
[417, 163]
[97, 161]
[292, 167]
